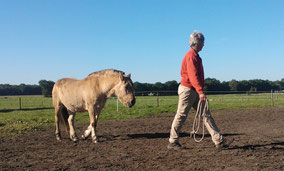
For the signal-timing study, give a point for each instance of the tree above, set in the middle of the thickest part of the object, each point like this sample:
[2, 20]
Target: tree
[281, 84]
[225, 86]
[139, 87]
[212, 84]
[46, 87]
[158, 86]
[234, 85]
[171, 85]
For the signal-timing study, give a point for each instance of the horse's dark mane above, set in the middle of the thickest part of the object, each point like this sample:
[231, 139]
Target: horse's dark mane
[106, 70]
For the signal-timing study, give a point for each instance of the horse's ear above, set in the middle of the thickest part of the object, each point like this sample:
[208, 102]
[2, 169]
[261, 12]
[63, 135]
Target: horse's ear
[129, 75]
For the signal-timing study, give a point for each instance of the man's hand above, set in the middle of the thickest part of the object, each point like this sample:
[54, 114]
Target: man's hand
[202, 97]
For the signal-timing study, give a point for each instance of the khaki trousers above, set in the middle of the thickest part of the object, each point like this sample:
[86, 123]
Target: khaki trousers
[189, 98]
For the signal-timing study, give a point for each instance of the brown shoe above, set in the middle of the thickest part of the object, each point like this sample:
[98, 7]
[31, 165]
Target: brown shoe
[174, 146]
[224, 144]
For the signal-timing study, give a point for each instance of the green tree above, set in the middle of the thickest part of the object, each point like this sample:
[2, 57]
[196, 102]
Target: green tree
[281, 82]
[171, 85]
[46, 87]
[158, 86]
[234, 85]
[212, 84]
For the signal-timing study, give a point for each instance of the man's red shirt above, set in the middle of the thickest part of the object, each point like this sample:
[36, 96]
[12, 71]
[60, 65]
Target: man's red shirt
[192, 74]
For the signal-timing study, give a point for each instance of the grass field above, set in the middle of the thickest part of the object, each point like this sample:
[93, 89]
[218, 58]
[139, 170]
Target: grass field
[37, 112]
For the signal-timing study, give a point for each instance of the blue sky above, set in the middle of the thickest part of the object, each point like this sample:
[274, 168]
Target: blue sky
[147, 38]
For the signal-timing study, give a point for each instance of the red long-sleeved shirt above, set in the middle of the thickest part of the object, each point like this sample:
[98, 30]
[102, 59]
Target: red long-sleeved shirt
[192, 74]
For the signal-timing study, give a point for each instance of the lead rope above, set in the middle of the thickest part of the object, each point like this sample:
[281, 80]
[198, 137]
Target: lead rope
[196, 122]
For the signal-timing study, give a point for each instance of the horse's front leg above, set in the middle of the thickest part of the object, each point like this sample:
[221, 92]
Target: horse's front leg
[71, 118]
[94, 116]
[87, 132]
[94, 131]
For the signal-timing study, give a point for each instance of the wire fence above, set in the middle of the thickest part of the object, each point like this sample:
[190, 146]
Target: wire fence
[149, 98]
[269, 96]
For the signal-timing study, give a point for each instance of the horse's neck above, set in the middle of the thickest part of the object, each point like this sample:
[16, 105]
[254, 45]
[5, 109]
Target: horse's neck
[108, 84]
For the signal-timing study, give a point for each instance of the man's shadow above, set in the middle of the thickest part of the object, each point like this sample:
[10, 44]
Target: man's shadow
[254, 147]
[167, 135]
[245, 147]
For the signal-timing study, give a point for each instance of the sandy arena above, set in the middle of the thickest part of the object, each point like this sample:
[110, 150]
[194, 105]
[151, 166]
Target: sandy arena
[141, 144]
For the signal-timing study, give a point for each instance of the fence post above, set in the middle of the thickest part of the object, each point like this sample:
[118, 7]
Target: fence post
[157, 99]
[117, 104]
[20, 103]
[272, 100]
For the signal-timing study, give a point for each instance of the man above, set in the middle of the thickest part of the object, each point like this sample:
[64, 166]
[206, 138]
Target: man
[190, 92]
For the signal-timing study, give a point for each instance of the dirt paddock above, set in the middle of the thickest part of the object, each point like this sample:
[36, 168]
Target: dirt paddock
[140, 144]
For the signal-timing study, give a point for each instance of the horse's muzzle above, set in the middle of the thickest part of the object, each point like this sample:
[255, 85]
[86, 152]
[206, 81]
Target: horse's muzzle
[132, 103]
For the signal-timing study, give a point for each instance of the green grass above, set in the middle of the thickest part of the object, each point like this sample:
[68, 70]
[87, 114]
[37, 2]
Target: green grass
[37, 111]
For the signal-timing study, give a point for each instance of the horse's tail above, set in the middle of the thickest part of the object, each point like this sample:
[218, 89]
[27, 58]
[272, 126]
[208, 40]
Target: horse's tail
[64, 118]
[63, 113]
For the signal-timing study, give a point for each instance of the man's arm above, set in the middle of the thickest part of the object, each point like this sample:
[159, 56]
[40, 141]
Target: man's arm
[194, 77]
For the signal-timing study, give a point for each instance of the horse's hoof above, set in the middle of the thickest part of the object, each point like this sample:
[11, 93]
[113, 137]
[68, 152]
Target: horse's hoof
[95, 141]
[83, 137]
[58, 138]
[75, 139]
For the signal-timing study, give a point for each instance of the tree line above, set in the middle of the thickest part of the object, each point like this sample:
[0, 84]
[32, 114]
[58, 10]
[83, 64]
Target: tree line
[44, 88]
[211, 84]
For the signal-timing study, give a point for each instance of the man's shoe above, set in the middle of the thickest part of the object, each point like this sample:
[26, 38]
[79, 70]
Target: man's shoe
[224, 144]
[174, 146]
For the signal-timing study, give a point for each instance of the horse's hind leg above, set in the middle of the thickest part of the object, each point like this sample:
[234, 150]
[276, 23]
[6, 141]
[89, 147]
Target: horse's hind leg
[58, 110]
[57, 130]
[71, 118]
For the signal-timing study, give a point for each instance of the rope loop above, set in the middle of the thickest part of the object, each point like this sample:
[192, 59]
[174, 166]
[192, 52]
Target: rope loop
[196, 122]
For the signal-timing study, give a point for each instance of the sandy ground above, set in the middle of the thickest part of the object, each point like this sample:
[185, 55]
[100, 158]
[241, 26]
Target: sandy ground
[141, 144]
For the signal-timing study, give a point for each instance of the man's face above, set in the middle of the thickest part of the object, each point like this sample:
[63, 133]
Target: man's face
[200, 46]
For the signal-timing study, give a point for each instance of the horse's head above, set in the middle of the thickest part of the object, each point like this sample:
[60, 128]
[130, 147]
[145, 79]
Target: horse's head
[125, 91]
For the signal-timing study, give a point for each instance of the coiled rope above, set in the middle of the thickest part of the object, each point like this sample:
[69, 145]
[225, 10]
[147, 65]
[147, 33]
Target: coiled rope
[196, 122]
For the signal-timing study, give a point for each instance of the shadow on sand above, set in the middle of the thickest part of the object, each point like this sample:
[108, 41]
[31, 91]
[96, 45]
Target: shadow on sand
[167, 135]
[270, 146]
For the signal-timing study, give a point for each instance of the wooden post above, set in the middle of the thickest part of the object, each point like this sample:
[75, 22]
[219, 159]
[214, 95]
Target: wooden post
[272, 100]
[20, 103]
[157, 99]
[117, 104]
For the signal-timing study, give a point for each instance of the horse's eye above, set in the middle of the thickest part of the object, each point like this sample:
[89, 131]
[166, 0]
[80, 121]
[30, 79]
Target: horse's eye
[128, 87]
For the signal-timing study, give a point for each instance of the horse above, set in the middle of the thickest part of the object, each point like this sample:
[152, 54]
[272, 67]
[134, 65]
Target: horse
[89, 95]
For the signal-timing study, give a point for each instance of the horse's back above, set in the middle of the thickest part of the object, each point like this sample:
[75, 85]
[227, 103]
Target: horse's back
[70, 93]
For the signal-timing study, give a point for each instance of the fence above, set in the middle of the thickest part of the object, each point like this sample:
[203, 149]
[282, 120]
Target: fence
[213, 95]
[24, 102]
[147, 98]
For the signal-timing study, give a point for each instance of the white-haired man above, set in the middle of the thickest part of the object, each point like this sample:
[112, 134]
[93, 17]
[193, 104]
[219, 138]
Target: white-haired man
[190, 92]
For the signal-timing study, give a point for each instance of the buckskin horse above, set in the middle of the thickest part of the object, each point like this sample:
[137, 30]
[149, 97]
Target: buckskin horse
[89, 94]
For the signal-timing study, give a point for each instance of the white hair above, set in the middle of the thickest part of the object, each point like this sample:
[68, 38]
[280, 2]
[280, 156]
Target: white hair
[196, 38]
